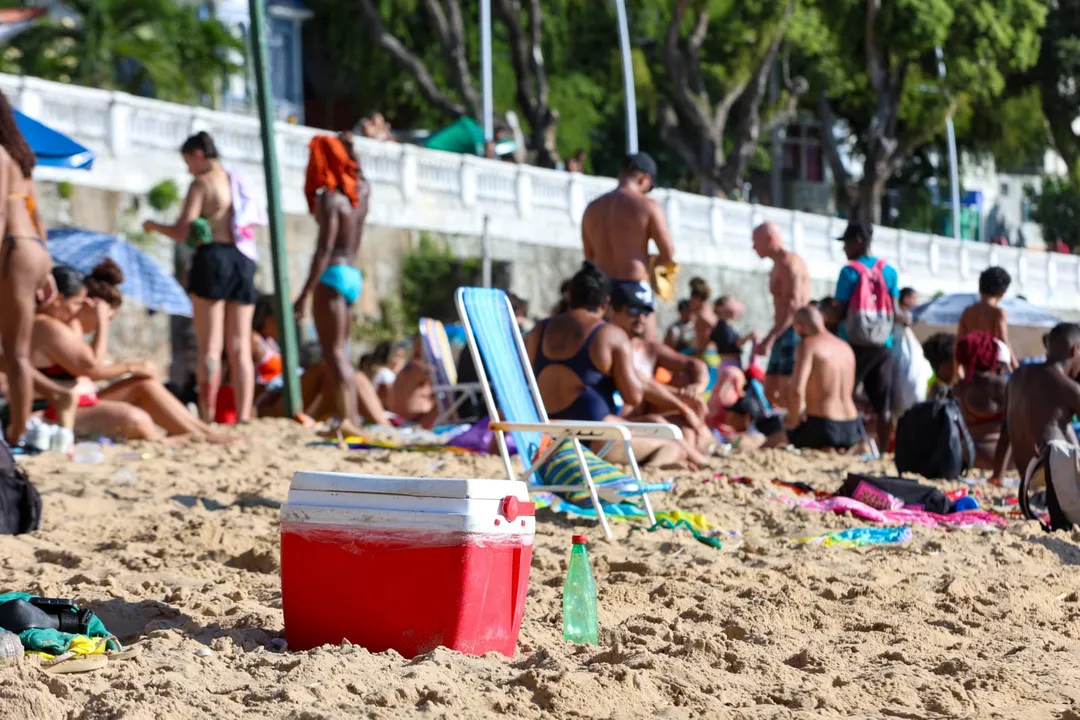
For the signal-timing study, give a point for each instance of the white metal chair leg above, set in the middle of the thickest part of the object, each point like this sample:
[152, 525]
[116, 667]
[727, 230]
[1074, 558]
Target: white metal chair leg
[592, 489]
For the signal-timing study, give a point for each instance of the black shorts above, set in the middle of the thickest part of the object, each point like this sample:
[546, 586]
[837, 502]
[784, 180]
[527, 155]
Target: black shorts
[816, 433]
[220, 271]
[874, 371]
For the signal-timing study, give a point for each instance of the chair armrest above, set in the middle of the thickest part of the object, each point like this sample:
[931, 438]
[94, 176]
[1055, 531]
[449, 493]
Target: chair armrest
[568, 429]
[657, 431]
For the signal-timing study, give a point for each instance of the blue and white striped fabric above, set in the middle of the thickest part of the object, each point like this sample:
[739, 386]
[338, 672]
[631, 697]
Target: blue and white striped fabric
[495, 329]
[145, 282]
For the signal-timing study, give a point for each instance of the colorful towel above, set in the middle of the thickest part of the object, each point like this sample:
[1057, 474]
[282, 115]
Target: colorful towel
[860, 536]
[248, 213]
[842, 505]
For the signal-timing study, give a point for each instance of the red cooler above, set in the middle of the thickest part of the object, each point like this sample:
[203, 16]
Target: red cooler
[408, 564]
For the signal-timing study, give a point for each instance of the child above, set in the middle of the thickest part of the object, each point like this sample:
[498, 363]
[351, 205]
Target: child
[939, 351]
[987, 314]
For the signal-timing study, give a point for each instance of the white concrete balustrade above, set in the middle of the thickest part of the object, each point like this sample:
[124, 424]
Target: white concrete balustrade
[137, 143]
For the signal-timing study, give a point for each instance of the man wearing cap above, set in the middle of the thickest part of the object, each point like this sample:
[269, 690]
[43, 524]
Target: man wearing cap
[873, 357]
[789, 283]
[617, 226]
[678, 403]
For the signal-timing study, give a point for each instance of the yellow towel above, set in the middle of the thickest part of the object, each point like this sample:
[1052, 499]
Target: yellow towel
[663, 278]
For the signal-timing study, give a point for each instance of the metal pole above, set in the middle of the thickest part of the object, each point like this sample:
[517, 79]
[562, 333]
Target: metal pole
[485, 70]
[628, 79]
[485, 254]
[954, 172]
[282, 300]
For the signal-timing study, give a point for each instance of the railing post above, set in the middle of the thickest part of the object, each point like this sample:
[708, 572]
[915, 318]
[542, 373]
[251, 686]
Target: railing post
[30, 100]
[934, 251]
[119, 125]
[575, 200]
[674, 214]
[716, 222]
[523, 191]
[796, 233]
[468, 181]
[409, 172]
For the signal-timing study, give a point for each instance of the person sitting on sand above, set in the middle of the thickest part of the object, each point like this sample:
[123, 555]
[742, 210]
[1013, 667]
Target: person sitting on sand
[729, 343]
[316, 381]
[412, 396]
[1040, 402]
[681, 337]
[581, 361]
[981, 392]
[702, 314]
[822, 384]
[387, 359]
[987, 314]
[939, 350]
[679, 402]
[132, 408]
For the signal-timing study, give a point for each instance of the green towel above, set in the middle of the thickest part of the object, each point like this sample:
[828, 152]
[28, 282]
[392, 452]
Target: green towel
[55, 642]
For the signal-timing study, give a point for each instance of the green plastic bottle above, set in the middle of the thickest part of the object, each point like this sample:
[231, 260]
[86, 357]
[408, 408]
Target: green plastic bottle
[579, 597]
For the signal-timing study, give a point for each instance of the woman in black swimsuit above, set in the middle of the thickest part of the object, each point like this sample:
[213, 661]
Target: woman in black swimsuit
[25, 280]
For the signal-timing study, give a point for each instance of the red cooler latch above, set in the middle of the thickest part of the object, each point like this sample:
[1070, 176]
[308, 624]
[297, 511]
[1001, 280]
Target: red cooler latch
[512, 508]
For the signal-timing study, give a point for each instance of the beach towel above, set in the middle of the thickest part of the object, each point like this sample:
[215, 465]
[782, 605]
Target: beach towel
[330, 168]
[841, 505]
[860, 536]
[248, 212]
[53, 642]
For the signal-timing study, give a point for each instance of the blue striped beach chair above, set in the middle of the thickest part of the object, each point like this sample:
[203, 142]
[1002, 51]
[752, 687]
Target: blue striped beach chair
[449, 393]
[515, 406]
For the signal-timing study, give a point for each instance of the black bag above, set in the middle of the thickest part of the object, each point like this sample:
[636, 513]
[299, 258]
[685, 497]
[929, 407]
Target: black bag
[20, 503]
[933, 441]
[868, 489]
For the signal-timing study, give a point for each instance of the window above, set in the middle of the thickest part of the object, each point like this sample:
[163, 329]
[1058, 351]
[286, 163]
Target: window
[1004, 189]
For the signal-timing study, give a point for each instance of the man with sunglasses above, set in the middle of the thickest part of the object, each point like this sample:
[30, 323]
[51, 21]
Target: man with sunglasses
[680, 401]
[617, 226]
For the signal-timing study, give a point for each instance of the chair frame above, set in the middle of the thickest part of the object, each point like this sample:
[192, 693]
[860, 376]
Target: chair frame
[450, 397]
[559, 430]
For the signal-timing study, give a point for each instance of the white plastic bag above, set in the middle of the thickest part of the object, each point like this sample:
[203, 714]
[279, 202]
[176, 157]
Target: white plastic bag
[911, 372]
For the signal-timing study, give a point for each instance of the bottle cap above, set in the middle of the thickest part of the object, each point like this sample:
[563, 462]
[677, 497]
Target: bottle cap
[581, 540]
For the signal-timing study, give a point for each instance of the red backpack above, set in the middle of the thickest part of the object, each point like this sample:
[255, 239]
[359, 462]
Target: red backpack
[870, 315]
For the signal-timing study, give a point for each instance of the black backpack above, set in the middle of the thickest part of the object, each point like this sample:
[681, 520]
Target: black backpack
[20, 502]
[933, 441]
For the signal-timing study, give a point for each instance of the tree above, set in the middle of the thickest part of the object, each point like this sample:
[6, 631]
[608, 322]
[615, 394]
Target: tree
[877, 73]
[1056, 74]
[148, 47]
[1056, 208]
[717, 59]
[457, 95]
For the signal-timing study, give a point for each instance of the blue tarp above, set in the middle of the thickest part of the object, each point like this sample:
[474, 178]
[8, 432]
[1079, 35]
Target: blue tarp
[52, 148]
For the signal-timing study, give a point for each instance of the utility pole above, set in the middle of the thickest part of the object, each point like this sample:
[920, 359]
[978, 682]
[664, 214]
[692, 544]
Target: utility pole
[954, 172]
[282, 298]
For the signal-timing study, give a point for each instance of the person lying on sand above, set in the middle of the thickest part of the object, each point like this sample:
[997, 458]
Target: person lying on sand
[1040, 402]
[581, 361]
[316, 382]
[981, 392]
[678, 403]
[823, 382]
[133, 408]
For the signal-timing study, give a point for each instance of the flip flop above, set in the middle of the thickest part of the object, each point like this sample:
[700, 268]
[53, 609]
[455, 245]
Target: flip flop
[62, 665]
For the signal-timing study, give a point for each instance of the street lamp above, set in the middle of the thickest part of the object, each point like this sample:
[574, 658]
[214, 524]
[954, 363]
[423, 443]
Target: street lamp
[628, 79]
[485, 71]
[954, 172]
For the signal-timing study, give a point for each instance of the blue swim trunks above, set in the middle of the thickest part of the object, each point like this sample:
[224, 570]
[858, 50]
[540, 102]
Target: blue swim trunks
[346, 279]
[782, 358]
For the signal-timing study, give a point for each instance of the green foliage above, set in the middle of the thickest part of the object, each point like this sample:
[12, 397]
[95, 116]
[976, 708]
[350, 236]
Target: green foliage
[163, 195]
[65, 190]
[156, 47]
[1057, 211]
[429, 276]
[389, 326]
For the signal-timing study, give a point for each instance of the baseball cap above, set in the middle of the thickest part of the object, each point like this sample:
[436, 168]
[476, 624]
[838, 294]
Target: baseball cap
[636, 296]
[858, 231]
[642, 162]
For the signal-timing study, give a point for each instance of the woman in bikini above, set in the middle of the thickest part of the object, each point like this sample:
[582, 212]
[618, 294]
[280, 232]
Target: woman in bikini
[24, 268]
[337, 195]
[221, 279]
[136, 404]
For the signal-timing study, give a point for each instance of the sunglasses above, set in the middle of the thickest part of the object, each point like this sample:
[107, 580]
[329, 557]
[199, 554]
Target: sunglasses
[636, 311]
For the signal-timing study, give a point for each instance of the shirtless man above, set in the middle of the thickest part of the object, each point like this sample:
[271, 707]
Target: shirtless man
[1041, 401]
[823, 384]
[616, 228]
[678, 403]
[789, 283]
[987, 314]
[581, 362]
[337, 194]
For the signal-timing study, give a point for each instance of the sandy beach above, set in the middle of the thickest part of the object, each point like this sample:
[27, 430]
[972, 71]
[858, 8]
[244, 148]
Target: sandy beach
[179, 550]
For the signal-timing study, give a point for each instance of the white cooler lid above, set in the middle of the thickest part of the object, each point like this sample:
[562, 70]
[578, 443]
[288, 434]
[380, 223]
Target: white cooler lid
[453, 488]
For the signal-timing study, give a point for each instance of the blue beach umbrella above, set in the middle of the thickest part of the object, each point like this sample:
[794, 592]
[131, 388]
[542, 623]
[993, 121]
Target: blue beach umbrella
[145, 282]
[53, 148]
[946, 310]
